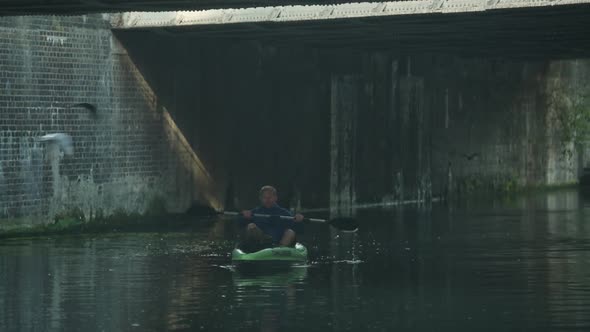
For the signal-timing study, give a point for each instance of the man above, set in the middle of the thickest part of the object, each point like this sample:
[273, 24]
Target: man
[263, 232]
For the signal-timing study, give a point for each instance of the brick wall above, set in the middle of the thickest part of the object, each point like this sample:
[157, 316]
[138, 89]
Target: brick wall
[125, 156]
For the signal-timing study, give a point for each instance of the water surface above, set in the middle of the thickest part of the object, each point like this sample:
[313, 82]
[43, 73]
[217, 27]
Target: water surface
[515, 266]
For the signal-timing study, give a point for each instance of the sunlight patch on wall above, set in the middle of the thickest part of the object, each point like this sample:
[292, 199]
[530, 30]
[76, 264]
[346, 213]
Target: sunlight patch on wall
[197, 173]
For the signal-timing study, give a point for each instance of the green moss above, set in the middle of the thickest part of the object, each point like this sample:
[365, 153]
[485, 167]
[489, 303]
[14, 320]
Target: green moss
[156, 207]
[548, 188]
[75, 214]
[506, 189]
[487, 185]
[64, 224]
[571, 114]
[74, 221]
[508, 186]
[8, 224]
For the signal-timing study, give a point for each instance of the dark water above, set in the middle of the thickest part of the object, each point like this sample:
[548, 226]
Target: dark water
[505, 267]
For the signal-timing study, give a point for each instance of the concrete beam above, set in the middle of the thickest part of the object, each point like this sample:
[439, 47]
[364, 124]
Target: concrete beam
[323, 12]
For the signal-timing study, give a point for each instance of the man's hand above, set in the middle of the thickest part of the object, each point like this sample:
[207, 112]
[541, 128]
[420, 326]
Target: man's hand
[299, 217]
[247, 214]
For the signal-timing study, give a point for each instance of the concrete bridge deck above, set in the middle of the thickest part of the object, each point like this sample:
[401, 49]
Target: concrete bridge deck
[329, 12]
[20, 7]
[505, 28]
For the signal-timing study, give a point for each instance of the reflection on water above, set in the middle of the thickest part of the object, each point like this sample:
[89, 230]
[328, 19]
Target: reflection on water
[521, 265]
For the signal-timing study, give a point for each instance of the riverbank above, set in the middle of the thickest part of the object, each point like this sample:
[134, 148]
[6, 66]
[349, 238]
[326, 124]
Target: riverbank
[75, 222]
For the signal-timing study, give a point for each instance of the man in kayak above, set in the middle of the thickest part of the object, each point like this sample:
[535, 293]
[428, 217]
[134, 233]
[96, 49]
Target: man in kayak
[264, 232]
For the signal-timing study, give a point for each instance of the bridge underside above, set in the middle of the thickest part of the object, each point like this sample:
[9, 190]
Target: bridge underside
[72, 7]
[542, 32]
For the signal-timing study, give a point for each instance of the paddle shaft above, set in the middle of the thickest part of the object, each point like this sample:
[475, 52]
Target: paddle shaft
[229, 213]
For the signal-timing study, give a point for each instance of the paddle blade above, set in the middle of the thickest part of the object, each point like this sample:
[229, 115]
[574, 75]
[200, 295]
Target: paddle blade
[344, 224]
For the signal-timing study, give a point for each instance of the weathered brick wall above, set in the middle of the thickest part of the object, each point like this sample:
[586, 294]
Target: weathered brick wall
[125, 156]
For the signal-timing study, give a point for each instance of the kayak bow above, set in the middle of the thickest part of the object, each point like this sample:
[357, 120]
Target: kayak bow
[297, 254]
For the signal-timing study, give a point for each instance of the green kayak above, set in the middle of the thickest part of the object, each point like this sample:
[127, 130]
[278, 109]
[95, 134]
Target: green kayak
[297, 254]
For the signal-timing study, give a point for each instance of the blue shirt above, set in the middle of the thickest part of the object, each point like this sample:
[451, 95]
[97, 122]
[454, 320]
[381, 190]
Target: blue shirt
[273, 226]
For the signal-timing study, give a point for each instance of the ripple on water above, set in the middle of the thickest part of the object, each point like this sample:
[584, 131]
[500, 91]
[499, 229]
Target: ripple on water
[437, 272]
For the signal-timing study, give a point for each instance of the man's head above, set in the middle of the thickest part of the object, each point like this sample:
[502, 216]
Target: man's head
[268, 196]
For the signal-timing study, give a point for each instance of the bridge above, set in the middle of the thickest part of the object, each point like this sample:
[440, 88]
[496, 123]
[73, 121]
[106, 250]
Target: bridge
[397, 100]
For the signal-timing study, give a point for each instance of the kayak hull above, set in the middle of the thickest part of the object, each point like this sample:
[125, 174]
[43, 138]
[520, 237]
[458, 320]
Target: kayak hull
[297, 254]
[270, 276]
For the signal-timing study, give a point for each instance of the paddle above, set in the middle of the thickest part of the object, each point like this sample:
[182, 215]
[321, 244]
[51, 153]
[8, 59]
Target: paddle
[342, 223]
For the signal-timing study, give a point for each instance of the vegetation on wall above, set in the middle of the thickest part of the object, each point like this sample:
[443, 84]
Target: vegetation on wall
[74, 221]
[571, 113]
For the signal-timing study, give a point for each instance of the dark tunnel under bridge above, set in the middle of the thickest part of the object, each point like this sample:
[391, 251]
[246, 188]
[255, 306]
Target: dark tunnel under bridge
[368, 109]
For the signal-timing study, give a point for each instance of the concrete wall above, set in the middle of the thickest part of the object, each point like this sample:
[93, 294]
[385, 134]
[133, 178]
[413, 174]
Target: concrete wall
[416, 126]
